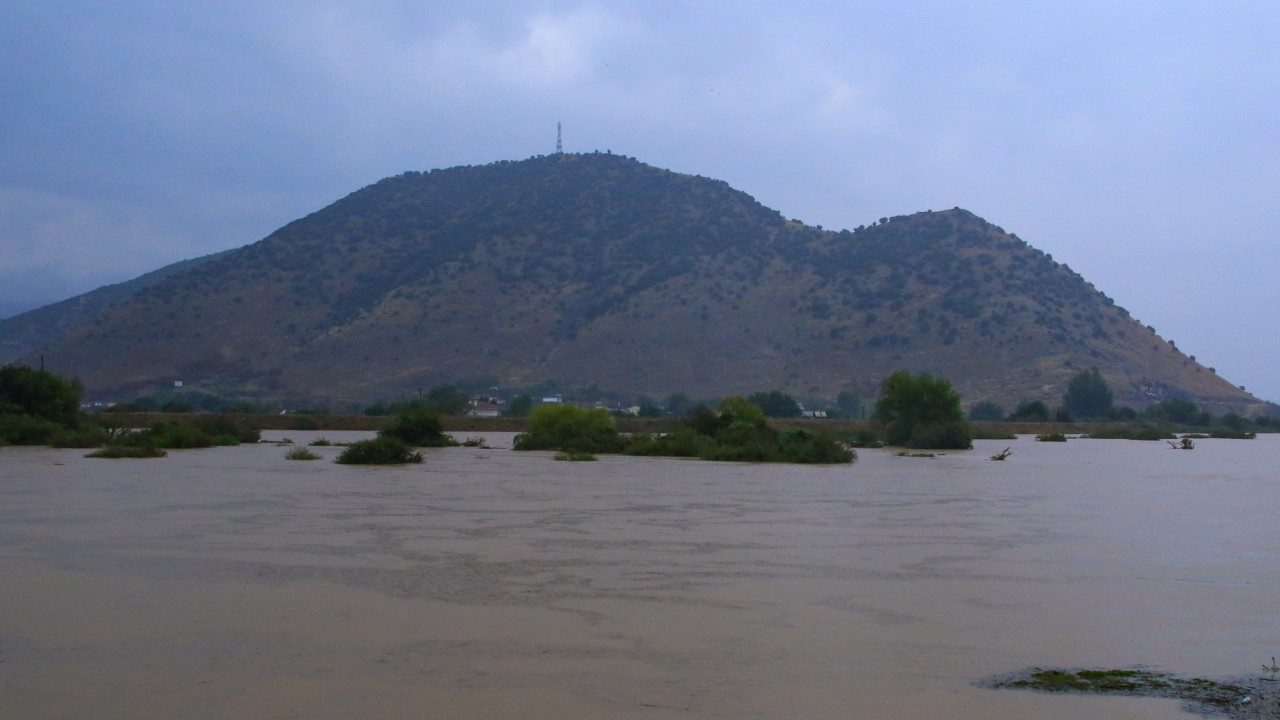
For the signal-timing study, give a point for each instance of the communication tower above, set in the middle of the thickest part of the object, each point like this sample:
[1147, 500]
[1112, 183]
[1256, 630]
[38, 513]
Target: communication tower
[559, 145]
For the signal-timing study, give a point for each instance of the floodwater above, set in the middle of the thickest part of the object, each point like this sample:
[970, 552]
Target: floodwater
[486, 583]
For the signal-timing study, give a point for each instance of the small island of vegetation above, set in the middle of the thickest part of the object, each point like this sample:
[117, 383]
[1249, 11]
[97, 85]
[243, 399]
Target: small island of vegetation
[737, 431]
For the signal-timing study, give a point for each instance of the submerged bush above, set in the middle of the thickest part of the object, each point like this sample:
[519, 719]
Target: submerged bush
[1130, 432]
[417, 427]
[224, 431]
[301, 453]
[171, 434]
[379, 451]
[940, 436]
[1051, 437]
[115, 452]
[554, 426]
[89, 436]
[27, 430]
[739, 432]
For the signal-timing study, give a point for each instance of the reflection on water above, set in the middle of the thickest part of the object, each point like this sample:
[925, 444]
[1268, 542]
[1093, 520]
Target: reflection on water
[484, 583]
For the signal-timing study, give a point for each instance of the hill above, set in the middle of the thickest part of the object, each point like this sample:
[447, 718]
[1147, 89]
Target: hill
[27, 332]
[600, 270]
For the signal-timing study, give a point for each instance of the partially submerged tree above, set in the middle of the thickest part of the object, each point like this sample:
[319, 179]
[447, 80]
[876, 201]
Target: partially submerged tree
[563, 426]
[417, 427]
[775, 404]
[922, 412]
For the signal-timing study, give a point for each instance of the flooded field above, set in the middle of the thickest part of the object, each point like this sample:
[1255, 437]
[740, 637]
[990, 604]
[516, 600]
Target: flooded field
[485, 583]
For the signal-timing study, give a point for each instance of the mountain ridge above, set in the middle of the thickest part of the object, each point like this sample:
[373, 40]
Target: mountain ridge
[599, 269]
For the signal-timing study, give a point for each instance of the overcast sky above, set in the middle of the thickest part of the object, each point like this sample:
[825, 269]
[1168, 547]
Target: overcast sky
[1136, 141]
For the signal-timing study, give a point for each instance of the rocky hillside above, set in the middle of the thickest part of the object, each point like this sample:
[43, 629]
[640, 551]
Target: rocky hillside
[599, 269]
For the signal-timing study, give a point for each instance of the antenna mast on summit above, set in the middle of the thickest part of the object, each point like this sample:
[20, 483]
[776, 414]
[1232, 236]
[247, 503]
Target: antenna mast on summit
[559, 145]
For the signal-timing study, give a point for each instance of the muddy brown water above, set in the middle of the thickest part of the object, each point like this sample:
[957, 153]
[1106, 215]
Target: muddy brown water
[485, 583]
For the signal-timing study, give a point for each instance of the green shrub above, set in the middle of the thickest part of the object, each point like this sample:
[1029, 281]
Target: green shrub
[90, 436]
[39, 393]
[865, 438]
[1051, 437]
[940, 436]
[417, 427]
[1031, 411]
[1131, 432]
[683, 441]
[986, 411]
[115, 452]
[738, 432]
[301, 453]
[170, 434]
[27, 430]
[379, 451]
[802, 446]
[320, 442]
[556, 426]
[979, 432]
[214, 426]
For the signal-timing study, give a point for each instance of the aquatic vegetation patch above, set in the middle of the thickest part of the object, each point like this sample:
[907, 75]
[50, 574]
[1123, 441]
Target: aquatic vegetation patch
[301, 453]
[379, 451]
[116, 452]
[1247, 698]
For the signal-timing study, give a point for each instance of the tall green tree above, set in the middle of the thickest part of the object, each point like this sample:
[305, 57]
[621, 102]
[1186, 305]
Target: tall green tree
[1087, 396]
[986, 411]
[520, 405]
[849, 405]
[447, 399]
[775, 404]
[1178, 410]
[39, 393]
[922, 412]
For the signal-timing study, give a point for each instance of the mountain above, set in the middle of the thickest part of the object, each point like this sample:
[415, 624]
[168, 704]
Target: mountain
[597, 269]
[27, 332]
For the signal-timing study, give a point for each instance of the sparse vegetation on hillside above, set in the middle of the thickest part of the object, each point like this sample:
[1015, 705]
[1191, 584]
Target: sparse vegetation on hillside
[580, 267]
